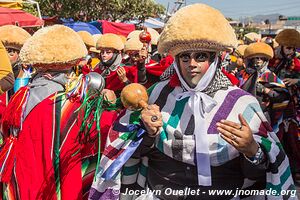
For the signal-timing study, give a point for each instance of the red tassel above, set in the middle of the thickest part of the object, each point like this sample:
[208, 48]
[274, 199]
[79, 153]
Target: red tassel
[12, 116]
[7, 156]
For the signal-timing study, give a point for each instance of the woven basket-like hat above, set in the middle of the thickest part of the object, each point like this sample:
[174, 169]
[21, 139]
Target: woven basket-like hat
[133, 44]
[259, 49]
[87, 38]
[13, 36]
[289, 38]
[134, 34]
[241, 49]
[110, 40]
[252, 37]
[154, 35]
[196, 27]
[54, 47]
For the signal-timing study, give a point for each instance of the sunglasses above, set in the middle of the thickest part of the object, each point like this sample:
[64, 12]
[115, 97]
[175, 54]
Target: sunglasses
[197, 56]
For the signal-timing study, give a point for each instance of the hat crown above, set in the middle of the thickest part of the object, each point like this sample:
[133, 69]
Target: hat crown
[196, 26]
[259, 48]
[288, 37]
[13, 36]
[110, 40]
[133, 44]
[53, 47]
[87, 38]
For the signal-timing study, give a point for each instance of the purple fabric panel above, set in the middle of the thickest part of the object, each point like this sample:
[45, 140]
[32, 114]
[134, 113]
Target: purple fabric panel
[108, 194]
[225, 108]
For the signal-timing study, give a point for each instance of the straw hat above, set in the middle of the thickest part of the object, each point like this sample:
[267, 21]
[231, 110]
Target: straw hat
[123, 38]
[133, 44]
[54, 47]
[252, 37]
[154, 35]
[87, 38]
[196, 27]
[13, 36]
[241, 49]
[259, 49]
[110, 40]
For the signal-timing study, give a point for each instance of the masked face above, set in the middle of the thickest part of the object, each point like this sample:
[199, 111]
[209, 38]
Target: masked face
[106, 54]
[288, 51]
[134, 56]
[193, 65]
[259, 61]
[13, 55]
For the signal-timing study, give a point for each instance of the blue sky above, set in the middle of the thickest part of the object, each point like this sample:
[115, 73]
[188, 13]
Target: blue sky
[245, 8]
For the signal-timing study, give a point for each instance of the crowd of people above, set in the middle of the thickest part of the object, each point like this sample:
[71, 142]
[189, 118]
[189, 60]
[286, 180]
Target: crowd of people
[222, 114]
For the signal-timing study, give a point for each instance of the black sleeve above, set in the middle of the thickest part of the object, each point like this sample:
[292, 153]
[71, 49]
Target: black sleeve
[145, 146]
[142, 73]
[252, 171]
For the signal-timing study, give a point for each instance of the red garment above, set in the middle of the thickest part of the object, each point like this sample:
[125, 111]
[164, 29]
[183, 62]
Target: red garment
[47, 152]
[3, 103]
[294, 66]
[113, 82]
[157, 69]
[166, 61]
[234, 80]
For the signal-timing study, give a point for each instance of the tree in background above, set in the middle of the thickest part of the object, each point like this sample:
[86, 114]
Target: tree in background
[86, 10]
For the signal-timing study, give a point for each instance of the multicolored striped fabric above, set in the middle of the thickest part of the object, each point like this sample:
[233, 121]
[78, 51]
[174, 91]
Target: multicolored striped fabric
[47, 151]
[176, 140]
[269, 80]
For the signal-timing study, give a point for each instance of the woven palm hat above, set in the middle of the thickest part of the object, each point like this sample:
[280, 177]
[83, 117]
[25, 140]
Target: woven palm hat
[110, 40]
[54, 47]
[123, 38]
[133, 44]
[13, 36]
[259, 49]
[252, 37]
[289, 38]
[196, 27]
[154, 35]
[134, 34]
[240, 42]
[241, 49]
[87, 38]
[96, 37]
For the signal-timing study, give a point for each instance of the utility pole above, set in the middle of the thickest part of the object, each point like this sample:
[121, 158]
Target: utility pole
[177, 5]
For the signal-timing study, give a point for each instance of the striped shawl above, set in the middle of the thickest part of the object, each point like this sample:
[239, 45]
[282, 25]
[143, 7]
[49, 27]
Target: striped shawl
[176, 140]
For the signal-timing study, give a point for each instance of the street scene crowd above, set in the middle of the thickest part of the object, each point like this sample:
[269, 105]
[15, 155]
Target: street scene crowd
[152, 114]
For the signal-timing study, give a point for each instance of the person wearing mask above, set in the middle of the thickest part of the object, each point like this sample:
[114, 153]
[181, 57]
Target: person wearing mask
[44, 151]
[13, 38]
[286, 65]
[116, 75]
[258, 80]
[148, 70]
[198, 132]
